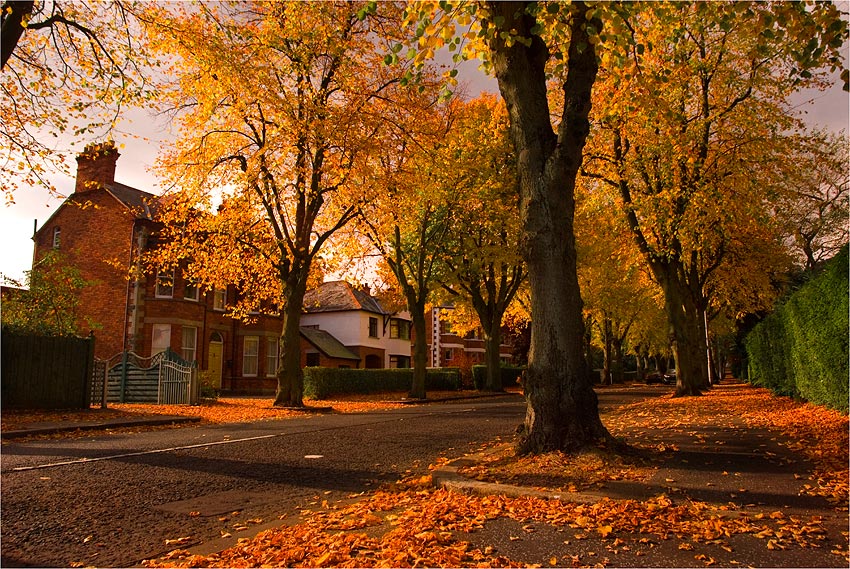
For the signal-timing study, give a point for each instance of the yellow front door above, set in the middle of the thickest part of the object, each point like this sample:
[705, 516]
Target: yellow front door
[214, 359]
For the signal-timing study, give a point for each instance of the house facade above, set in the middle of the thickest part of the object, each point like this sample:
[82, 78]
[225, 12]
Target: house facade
[105, 227]
[448, 349]
[378, 337]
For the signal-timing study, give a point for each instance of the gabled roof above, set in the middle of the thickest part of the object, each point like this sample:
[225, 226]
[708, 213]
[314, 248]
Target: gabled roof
[327, 344]
[143, 204]
[339, 296]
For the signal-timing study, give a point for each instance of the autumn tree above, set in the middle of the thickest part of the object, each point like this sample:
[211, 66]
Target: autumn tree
[482, 254]
[408, 217]
[526, 44]
[277, 104]
[621, 301]
[816, 206]
[49, 304]
[69, 68]
[693, 124]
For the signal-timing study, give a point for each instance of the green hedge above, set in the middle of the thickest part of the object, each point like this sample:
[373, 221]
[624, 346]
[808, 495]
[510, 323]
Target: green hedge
[801, 349]
[323, 382]
[510, 375]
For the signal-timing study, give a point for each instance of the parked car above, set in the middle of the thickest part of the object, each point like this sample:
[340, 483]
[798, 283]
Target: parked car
[654, 377]
[669, 378]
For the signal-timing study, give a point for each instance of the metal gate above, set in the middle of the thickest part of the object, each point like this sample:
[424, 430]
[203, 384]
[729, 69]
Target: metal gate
[175, 383]
[165, 378]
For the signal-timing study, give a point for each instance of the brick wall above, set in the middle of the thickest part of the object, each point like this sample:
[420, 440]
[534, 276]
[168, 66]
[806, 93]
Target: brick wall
[95, 237]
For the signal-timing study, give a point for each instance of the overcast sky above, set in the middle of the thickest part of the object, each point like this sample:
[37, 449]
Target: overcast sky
[143, 135]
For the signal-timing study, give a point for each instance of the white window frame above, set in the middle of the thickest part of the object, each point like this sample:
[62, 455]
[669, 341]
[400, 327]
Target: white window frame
[160, 338]
[250, 353]
[373, 320]
[57, 237]
[189, 344]
[158, 293]
[219, 299]
[272, 356]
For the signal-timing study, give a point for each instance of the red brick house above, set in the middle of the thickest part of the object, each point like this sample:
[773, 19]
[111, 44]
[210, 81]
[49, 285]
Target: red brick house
[103, 228]
[447, 349]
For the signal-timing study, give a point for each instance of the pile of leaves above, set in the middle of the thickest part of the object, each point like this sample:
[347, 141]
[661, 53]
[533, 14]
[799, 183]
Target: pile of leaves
[415, 525]
[557, 470]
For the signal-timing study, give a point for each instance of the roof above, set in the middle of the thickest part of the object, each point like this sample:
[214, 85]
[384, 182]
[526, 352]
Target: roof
[143, 204]
[338, 296]
[327, 344]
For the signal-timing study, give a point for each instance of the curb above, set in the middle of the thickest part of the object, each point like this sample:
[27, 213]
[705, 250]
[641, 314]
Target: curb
[449, 477]
[102, 425]
[460, 398]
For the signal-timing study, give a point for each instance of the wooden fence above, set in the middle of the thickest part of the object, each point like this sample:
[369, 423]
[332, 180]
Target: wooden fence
[46, 372]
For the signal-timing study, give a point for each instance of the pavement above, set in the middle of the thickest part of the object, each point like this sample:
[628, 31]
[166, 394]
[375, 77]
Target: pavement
[742, 473]
[54, 427]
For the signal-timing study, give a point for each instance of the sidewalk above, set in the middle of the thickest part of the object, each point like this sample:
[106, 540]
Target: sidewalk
[88, 420]
[54, 427]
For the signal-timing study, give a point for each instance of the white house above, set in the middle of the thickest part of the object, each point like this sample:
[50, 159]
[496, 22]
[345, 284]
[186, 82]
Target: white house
[354, 317]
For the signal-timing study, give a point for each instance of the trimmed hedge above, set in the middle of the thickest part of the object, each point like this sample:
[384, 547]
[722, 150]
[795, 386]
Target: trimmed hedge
[801, 349]
[510, 375]
[323, 382]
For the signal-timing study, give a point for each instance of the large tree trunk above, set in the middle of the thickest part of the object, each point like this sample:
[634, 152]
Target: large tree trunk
[618, 368]
[290, 376]
[562, 409]
[686, 336]
[12, 28]
[420, 350]
[492, 357]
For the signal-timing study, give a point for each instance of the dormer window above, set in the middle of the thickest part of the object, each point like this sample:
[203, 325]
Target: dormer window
[56, 237]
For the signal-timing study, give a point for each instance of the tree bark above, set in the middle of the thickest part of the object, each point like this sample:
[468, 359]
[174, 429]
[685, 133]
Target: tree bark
[562, 408]
[420, 349]
[686, 338]
[12, 28]
[290, 376]
[492, 357]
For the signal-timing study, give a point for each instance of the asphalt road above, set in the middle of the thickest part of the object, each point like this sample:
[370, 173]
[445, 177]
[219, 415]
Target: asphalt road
[113, 500]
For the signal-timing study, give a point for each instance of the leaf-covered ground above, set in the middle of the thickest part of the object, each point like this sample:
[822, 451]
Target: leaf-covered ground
[222, 410]
[413, 524]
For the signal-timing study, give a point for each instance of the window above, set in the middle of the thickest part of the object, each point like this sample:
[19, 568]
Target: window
[313, 359]
[373, 327]
[399, 329]
[189, 347]
[164, 285]
[448, 355]
[271, 357]
[445, 327]
[191, 291]
[250, 355]
[161, 338]
[399, 362]
[219, 298]
[56, 235]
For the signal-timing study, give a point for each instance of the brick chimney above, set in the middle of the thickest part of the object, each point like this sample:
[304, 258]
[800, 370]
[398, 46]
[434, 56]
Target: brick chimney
[96, 166]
